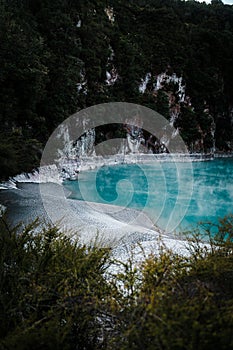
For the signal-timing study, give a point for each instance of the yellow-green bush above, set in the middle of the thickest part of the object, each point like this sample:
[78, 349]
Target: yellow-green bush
[58, 294]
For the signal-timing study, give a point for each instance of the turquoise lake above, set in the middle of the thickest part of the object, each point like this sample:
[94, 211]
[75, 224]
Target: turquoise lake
[175, 195]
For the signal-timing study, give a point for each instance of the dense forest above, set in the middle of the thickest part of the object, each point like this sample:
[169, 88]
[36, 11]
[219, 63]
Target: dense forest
[58, 57]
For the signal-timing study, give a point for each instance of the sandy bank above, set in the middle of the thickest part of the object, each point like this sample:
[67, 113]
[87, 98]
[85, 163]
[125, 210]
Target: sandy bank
[117, 227]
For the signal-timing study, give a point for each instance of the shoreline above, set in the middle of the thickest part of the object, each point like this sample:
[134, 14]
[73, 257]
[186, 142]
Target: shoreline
[113, 228]
[69, 169]
[127, 232]
[111, 225]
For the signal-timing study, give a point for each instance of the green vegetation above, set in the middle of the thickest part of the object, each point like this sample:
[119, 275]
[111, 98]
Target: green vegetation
[58, 294]
[53, 292]
[54, 56]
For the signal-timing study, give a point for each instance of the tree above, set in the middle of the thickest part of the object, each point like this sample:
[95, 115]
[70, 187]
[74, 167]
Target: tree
[162, 104]
[188, 126]
[24, 74]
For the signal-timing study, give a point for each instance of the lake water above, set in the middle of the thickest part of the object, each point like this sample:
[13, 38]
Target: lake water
[176, 196]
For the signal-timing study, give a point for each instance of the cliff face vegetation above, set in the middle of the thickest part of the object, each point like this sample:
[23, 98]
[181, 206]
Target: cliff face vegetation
[59, 57]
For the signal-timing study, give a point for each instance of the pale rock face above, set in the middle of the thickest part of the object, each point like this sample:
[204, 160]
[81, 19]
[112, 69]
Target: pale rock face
[111, 76]
[174, 87]
[82, 85]
[44, 174]
[133, 144]
[161, 80]
[144, 82]
[85, 146]
[164, 78]
[111, 73]
[164, 141]
[110, 13]
[79, 23]
[71, 157]
[2, 210]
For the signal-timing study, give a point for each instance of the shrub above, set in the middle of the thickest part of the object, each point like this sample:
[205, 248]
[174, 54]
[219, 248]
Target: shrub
[52, 291]
[56, 293]
[184, 302]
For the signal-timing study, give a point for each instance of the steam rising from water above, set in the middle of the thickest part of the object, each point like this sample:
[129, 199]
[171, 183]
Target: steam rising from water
[62, 146]
[155, 187]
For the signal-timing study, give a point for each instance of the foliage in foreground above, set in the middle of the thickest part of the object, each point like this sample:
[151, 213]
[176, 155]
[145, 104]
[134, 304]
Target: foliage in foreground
[52, 291]
[54, 294]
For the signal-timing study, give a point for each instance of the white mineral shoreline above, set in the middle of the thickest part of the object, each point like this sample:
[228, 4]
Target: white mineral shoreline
[127, 231]
[122, 229]
[72, 167]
